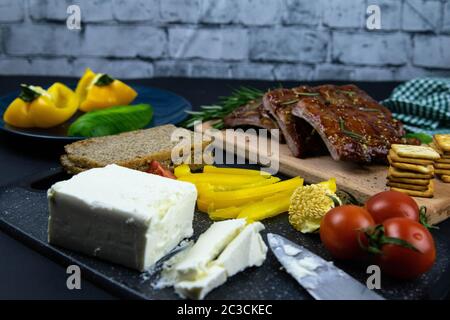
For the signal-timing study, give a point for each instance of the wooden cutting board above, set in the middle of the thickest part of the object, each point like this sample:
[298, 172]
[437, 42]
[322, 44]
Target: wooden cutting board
[358, 180]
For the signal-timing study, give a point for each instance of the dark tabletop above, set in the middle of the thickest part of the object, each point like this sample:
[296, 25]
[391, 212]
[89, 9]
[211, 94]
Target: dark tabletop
[24, 273]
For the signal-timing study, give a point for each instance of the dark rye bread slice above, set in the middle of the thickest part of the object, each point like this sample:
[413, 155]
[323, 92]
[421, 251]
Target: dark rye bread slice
[73, 168]
[131, 149]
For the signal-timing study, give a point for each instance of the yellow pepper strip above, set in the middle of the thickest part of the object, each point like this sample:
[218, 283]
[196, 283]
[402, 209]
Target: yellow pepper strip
[238, 171]
[269, 207]
[263, 182]
[224, 203]
[204, 205]
[182, 170]
[329, 184]
[254, 193]
[222, 179]
[224, 213]
[99, 91]
[36, 107]
[203, 187]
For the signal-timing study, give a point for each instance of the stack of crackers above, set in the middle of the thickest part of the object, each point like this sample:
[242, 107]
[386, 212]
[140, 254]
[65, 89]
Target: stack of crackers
[412, 170]
[441, 143]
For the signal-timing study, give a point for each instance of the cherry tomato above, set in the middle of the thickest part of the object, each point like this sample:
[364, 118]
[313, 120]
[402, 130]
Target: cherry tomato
[402, 262]
[391, 204]
[156, 168]
[340, 229]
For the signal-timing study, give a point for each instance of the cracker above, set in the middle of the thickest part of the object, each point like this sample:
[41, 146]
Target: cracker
[394, 172]
[417, 152]
[438, 165]
[407, 186]
[419, 182]
[415, 193]
[443, 142]
[435, 147]
[445, 172]
[393, 157]
[428, 169]
[445, 178]
[443, 160]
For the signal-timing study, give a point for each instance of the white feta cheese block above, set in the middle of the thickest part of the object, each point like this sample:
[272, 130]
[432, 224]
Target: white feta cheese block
[199, 288]
[225, 249]
[121, 215]
[208, 246]
[246, 250]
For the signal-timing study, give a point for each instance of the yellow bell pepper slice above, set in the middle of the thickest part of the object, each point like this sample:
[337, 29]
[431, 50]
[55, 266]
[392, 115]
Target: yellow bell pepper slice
[37, 107]
[329, 184]
[263, 182]
[182, 170]
[253, 211]
[253, 193]
[221, 179]
[205, 187]
[234, 171]
[204, 205]
[224, 213]
[269, 207]
[84, 83]
[18, 114]
[99, 91]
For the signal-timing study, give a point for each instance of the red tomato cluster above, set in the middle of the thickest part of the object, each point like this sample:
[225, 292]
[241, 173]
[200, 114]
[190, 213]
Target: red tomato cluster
[387, 229]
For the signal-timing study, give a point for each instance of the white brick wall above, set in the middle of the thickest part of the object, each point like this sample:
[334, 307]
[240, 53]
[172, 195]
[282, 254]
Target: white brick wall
[245, 39]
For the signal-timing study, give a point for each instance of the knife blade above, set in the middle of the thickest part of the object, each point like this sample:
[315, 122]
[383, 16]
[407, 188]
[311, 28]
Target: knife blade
[319, 277]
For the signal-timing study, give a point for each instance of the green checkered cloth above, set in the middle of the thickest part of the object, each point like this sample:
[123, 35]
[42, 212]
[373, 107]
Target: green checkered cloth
[422, 105]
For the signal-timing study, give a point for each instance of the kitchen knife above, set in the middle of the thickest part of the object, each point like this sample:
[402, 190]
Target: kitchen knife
[319, 277]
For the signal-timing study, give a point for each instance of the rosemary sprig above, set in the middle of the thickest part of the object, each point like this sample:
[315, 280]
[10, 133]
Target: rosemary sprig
[225, 106]
[369, 109]
[308, 94]
[349, 133]
[289, 102]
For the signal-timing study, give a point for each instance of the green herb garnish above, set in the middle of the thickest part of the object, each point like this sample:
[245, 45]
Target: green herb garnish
[104, 80]
[423, 137]
[224, 107]
[111, 121]
[349, 133]
[350, 93]
[308, 94]
[369, 109]
[289, 102]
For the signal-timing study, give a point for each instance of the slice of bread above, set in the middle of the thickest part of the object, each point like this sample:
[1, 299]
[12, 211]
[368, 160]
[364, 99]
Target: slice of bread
[135, 149]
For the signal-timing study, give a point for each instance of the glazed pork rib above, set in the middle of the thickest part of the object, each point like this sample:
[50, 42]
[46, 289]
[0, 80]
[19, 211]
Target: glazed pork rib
[353, 126]
[251, 114]
[300, 137]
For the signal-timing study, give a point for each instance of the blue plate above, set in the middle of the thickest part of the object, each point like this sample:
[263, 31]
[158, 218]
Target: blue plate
[167, 106]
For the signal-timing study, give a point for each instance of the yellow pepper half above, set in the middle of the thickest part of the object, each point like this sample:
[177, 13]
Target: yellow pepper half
[36, 107]
[100, 91]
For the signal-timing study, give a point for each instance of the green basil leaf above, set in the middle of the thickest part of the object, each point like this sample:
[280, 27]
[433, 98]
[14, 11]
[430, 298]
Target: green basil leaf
[423, 137]
[111, 121]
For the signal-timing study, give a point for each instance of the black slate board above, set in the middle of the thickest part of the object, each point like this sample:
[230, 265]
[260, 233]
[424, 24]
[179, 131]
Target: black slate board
[23, 213]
